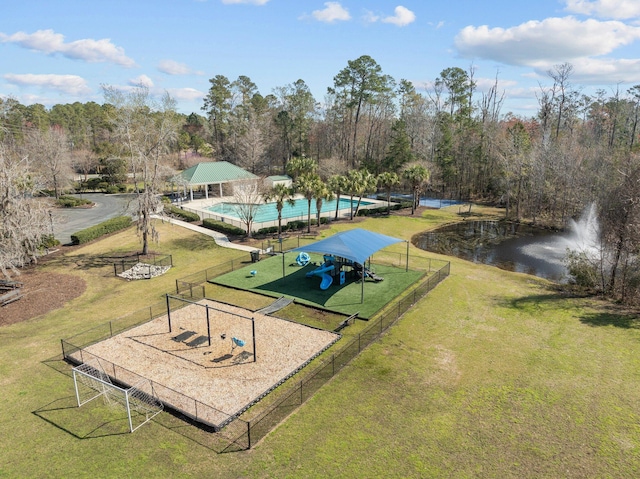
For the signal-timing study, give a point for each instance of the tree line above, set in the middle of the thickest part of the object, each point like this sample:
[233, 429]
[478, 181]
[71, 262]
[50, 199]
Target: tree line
[575, 149]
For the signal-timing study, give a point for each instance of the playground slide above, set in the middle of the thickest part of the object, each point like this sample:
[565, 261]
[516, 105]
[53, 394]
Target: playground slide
[327, 279]
[320, 270]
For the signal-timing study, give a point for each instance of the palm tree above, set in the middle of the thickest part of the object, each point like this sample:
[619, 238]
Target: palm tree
[280, 194]
[322, 193]
[299, 166]
[307, 185]
[416, 175]
[353, 186]
[337, 184]
[388, 179]
[368, 184]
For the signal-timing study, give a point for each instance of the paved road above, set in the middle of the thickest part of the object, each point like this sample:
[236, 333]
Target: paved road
[67, 221]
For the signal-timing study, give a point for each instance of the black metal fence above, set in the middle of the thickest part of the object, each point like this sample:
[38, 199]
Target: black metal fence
[259, 426]
[240, 433]
[124, 264]
[233, 436]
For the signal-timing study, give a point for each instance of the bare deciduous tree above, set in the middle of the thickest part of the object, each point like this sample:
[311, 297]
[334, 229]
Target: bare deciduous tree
[24, 222]
[50, 156]
[248, 199]
[145, 130]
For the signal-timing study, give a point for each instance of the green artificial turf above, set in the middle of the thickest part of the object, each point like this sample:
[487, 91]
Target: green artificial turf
[345, 298]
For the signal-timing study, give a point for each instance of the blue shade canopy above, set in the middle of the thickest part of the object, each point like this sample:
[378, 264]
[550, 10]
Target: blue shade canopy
[356, 245]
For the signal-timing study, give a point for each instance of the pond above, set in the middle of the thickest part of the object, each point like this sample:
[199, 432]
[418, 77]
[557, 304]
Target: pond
[510, 246]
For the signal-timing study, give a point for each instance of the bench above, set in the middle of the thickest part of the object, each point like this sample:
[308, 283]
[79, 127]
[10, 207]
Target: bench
[346, 322]
[10, 297]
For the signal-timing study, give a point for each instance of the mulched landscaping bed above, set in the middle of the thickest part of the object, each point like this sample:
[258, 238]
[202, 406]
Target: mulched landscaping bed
[42, 292]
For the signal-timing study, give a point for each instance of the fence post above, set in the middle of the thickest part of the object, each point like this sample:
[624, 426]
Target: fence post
[333, 364]
[359, 342]
[301, 400]
[115, 270]
[110, 329]
[248, 434]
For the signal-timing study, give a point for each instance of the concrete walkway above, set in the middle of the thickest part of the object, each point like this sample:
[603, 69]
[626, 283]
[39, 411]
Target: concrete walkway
[219, 238]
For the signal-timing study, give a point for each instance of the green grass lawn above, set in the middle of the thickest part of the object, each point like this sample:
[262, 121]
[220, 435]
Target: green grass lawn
[493, 374]
[345, 298]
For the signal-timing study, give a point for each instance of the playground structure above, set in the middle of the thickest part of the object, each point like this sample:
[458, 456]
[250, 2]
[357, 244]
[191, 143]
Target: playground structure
[205, 367]
[333, 266]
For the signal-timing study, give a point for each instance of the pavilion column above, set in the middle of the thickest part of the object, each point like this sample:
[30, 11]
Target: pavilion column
[206, 191]
[191, 192]
[220, 185]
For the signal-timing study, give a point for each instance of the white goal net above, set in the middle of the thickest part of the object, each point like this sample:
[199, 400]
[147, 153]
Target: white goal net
[140, 402]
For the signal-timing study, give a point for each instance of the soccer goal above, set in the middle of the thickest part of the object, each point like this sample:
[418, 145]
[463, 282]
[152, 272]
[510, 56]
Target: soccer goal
[140, 402]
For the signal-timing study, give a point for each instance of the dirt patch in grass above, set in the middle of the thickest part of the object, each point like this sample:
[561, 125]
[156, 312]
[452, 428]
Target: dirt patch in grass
[42, 292]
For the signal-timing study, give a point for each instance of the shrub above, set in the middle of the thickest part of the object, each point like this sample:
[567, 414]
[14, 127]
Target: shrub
[110, 226]
[269, 230]
[72, 201]
[295, 225]
[582, 269]
[48, 241]
[188, 216]
[225, 228]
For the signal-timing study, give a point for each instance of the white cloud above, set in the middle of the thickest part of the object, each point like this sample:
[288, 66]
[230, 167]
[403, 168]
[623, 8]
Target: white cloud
[403, 17]
[332, 12]
[599, 71]
[87, 49]
[370, 17]
[142, 80]
[552, 40]
[248, 2]
[620, 9]
[171, 67]
[68, 84]
[186, 94]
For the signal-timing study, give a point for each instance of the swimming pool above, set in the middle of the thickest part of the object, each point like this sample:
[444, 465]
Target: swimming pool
[269, 212]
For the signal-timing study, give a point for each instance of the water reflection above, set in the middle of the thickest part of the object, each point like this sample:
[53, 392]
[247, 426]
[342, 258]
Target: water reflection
[507, 245]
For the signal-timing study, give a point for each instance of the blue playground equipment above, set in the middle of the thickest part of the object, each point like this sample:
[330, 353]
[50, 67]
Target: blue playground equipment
[236, 342]
[322, 271]
[303, 259]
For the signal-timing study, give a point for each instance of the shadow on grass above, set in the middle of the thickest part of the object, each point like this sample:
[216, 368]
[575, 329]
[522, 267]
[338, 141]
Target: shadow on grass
[64, 414]
[192, 243]
[606, 318]
[607, 314]
[196, 432]
[83, 261]
[58, 364]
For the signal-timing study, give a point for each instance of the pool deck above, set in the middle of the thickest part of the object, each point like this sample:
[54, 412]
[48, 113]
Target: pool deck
[199, 206]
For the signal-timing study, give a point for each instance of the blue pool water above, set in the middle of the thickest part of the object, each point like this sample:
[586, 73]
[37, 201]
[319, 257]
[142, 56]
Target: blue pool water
[268, 211]
[428, 202]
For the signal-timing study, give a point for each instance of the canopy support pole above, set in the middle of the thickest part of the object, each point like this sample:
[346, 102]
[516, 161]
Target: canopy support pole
[362, 288]
[407, 268]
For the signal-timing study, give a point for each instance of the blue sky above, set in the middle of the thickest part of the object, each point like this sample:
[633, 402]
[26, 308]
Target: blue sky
[62, 51]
